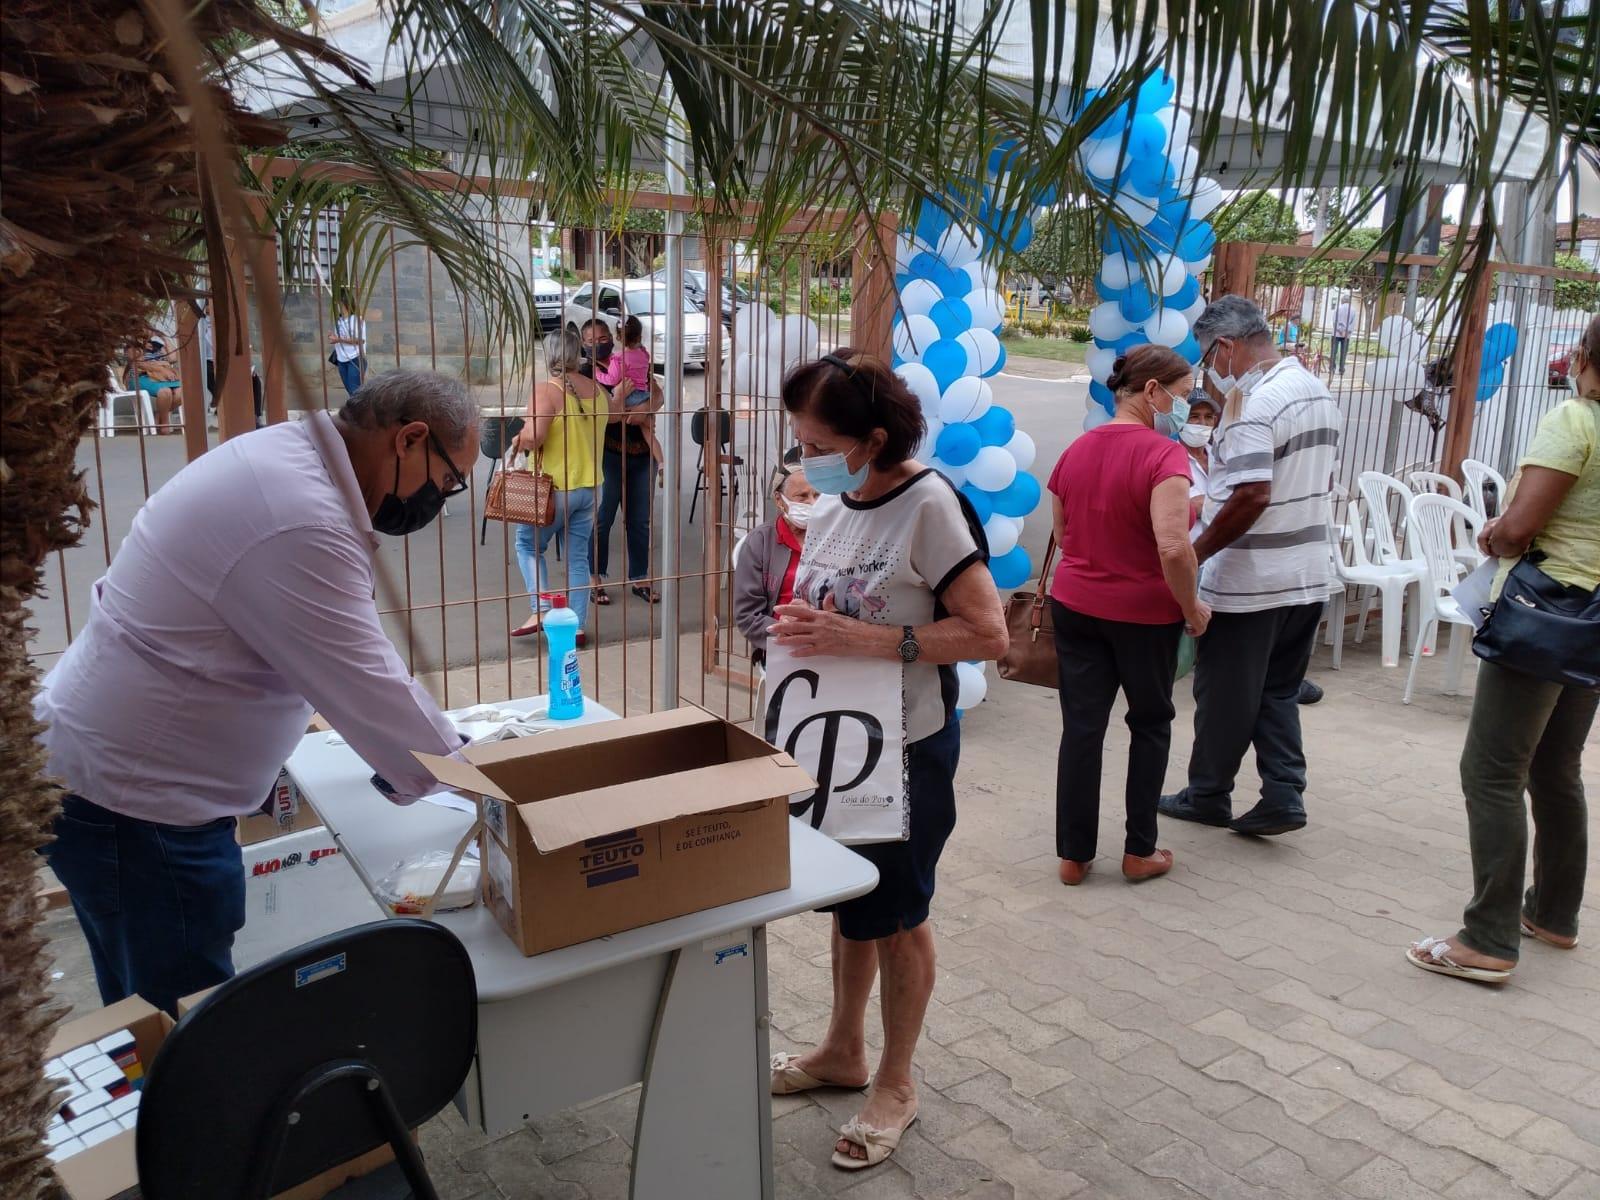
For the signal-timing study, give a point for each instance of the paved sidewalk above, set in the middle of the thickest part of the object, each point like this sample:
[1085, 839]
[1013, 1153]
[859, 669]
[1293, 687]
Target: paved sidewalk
[1244, 1029]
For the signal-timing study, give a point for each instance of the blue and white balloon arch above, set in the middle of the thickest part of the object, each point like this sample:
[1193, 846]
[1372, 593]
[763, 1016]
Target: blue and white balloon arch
[946, 334]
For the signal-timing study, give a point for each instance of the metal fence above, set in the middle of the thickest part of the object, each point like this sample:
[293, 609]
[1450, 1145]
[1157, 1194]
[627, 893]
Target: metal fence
[451, 594]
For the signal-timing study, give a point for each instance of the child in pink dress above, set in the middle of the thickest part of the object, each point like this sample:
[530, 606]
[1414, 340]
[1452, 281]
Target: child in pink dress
[629, 370]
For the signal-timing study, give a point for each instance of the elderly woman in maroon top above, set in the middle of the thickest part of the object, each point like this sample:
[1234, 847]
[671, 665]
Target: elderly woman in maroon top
[1123, 594]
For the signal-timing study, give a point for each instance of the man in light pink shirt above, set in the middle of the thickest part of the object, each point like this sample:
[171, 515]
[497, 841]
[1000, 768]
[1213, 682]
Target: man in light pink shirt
[241, 600]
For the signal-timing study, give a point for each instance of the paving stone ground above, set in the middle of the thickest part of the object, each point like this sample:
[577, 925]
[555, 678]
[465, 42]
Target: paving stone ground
[1244, 1028]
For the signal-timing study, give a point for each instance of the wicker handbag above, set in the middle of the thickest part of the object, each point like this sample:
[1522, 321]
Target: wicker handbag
[1031, 657]
[520, 496]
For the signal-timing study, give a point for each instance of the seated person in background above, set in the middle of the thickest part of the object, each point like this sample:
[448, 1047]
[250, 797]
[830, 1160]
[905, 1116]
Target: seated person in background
[156, 374]
[763, 578]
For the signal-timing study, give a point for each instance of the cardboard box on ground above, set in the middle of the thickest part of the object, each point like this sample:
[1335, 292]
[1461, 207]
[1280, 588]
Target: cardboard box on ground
[594, 830]
[108, 1170]
[287, 810]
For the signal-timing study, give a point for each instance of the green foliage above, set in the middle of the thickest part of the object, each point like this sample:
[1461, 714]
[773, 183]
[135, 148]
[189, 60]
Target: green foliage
[1065, 251]
[1079, 333]
[1577, 293]
[828, 299]
[1261, 217]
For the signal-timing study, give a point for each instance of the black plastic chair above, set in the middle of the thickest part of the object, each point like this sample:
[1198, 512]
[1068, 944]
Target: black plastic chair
[494, 442]
[697, 433]
[308, 1060]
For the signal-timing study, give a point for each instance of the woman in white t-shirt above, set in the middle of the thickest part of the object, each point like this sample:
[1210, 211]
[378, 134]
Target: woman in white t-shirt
[349, 342]
[895, 568]
[1195, 435]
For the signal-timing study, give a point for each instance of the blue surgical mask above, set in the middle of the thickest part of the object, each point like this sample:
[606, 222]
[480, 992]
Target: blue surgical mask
[831, 475]
[1166, 423]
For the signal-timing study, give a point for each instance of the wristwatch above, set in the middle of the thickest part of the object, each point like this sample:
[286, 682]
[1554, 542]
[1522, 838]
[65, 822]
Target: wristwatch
[910, 648]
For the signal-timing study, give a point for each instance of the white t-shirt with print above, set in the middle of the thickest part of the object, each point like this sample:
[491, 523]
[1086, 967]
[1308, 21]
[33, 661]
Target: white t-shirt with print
[888, 561]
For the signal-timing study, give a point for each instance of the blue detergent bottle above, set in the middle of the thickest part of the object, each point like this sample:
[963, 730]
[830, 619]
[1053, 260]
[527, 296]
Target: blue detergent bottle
[566, 685]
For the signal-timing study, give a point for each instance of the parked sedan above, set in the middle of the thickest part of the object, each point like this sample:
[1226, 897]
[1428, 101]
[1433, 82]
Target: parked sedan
[611, 300]
[1562, 344]
[696, 286]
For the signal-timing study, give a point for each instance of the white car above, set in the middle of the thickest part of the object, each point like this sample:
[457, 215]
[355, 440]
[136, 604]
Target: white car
[548, 295]
[612, 300]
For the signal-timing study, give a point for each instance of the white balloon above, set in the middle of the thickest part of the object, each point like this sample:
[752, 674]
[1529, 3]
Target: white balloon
[983, 350]
[971, 686]
[1022, 450]
[1099, 360]
[1135, 207]
[1179, 128]
[992, 470]
[1403, 378]
[1173, 274]
[1198, 266]
[987, 308]
[1117, 271]
[919, 295]
[922, 384]
[1166, 327]
[1192, 313]
[756, 375]
[1394, 332]
[1185, 162]
[957, 247]
[1107, 322]
[1001, 535]
[905, 249]
[914, 335]
[966, 399]
[750, 325]
[1094, 417]
[983, 276]
[925, 450]
[956, 475]
[796, 339]
[1207, 195]
[1103, 158]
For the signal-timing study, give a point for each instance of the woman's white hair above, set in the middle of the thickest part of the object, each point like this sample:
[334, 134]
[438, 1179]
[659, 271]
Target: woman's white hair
[563, 351]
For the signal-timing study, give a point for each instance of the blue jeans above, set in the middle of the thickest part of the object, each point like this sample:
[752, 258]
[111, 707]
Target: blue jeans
[350, 374]
[158, 904]
[634, 473]
[574, 518]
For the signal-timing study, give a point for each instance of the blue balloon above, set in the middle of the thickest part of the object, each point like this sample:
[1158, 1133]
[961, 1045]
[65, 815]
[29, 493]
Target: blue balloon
[1155, 92]
[1101, 395]
[982, 505]
[1161, 234]
[1011, 569]
[996, 427]
[901, 278]
[999, 364]
[1189, 348]
[1003, 156]
[1121, 345]
[931, 223]
[1137, 303]
[954, 283]
[1019, 497]
[947, 359]
[925, 264]
[1499, 341]
[1186, 294]
[1114, 242]
[1489, 381]
[958, 444]
[1174, 209]
[953, 317]
[1023, 236]
[1047, 195]
[1197, 240]
[1149, 175]
[1148, 137]
[1105, 291]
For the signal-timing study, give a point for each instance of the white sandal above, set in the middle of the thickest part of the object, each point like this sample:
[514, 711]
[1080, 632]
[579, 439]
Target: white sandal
[878, 1143]
[1433, 954]
[789, 1078]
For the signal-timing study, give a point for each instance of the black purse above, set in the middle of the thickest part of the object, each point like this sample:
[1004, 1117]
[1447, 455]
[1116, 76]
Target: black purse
[1543, 628]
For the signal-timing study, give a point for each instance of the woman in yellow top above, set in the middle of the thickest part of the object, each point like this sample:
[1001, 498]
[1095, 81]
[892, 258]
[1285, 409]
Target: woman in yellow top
[1527, 733]
[563, 435]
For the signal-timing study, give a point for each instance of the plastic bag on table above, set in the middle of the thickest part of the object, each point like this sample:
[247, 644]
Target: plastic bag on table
[409, 886]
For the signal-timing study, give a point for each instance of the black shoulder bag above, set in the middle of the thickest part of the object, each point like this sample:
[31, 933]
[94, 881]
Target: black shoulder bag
[1543, 627]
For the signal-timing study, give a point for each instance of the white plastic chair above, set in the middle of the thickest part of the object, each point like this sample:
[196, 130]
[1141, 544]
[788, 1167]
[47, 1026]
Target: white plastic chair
[1378, 493]
[1432, 519]
[1389, 583]
[1476, 474]
[1425, 483]
[138, 402]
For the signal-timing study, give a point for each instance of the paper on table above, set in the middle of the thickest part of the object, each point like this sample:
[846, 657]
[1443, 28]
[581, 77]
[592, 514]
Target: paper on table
[1472, 593]
[488, 723]
[453, 800]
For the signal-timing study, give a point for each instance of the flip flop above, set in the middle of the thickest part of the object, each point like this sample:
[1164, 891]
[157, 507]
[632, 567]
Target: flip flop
[878, 1143]
[1529, 929]
[787, 1078]
[1433, 954]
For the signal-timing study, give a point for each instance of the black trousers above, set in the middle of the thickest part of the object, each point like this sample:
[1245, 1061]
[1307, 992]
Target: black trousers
[1247, 675]
[1095, 659]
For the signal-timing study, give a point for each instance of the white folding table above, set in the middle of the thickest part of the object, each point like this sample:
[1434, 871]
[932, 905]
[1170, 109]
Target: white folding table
[680, 1006]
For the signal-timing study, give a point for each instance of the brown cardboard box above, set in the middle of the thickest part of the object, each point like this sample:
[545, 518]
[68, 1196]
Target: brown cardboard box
[109, 1170]
[601, 828]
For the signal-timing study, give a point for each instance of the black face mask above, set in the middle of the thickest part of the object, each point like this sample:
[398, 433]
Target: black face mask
[397, 517]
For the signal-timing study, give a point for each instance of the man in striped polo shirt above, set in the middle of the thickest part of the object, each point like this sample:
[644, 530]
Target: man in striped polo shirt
[1265, 570]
